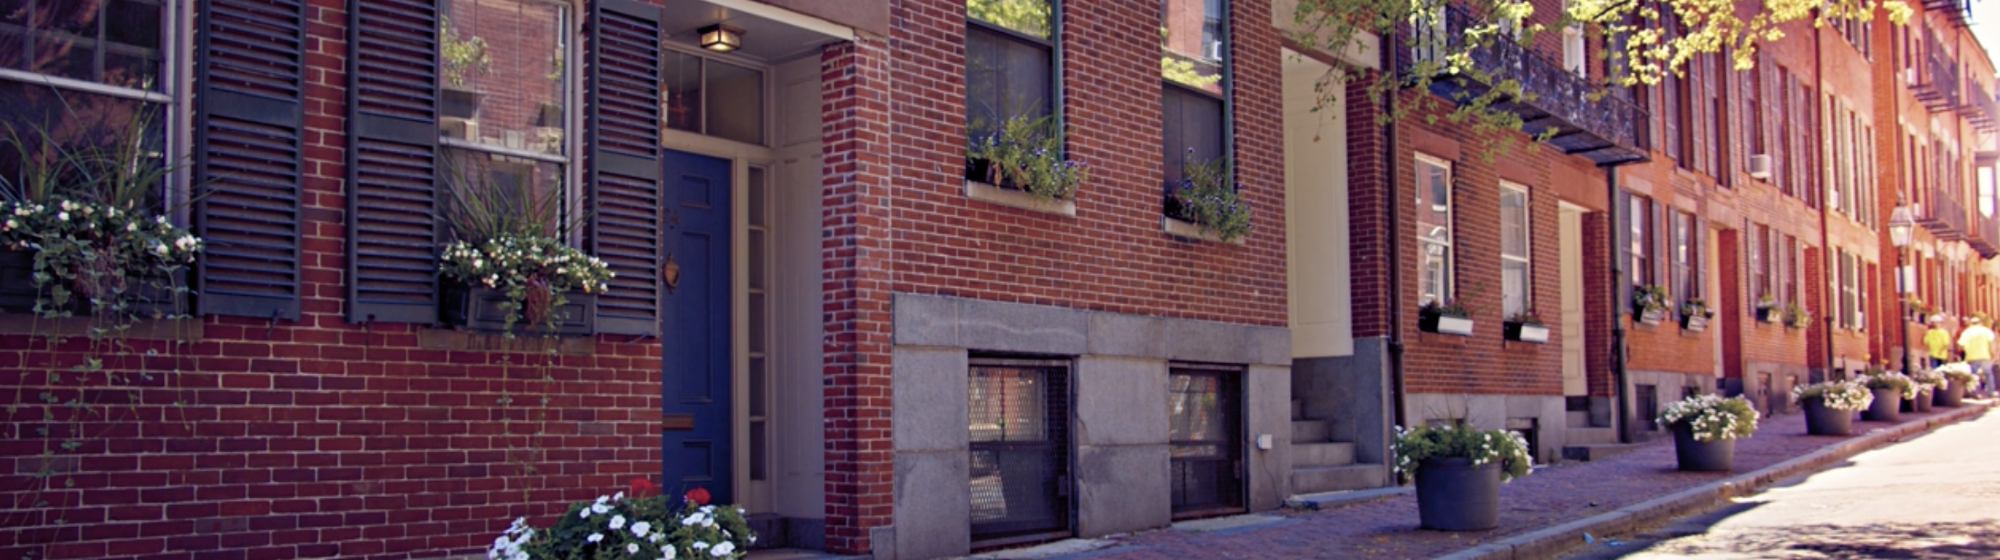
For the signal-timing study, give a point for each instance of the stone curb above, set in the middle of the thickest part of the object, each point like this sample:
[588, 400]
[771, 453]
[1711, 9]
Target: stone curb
[1553, 541]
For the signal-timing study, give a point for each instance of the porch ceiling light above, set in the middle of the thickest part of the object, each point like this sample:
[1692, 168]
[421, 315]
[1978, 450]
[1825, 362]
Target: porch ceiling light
[721, 38]
[1900, 224]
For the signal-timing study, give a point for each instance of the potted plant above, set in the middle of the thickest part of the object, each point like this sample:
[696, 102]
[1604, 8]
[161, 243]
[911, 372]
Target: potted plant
[508, 262]
[1027, 154]
[1526, 327]
[1890, 388]
[1830, 405]
[1695, 314]
[1705, 429]
[1458, 471]
[1796, 316]
[636, 523]
[1927, 382]
[1449, 316]
[1649, 304]
[1208, 197]
[1916, 308]
[1958, 380]
[460, 57]
[1767, 309]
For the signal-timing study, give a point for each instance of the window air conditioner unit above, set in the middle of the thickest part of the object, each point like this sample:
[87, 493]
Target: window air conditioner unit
[1760, 166]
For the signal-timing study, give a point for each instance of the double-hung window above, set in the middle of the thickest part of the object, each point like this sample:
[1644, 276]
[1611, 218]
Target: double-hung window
[1434, 228]
[1686, 255]
[1760, 265]
[504, 106]
[1194, 107]
[1516, 278]
[89, 76]
[1009, 65]
[1641, 241]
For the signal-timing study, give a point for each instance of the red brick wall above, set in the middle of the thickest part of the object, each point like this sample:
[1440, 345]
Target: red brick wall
[1113, 255]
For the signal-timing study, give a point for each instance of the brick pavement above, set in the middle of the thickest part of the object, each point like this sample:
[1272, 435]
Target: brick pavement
[1387, 528]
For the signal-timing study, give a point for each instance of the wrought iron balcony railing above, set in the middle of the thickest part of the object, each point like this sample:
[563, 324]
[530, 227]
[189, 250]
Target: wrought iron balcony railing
[1979, 106]
[1609, 129]
[1954, 11]
[1943, 214]
[1937, 84]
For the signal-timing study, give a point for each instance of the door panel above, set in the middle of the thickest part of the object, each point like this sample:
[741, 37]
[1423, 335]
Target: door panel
[695, 326]
[1204, 438]
[1571, 237]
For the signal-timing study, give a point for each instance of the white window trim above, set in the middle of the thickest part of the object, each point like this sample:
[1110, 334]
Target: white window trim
[1527, 256]
[1449, 289]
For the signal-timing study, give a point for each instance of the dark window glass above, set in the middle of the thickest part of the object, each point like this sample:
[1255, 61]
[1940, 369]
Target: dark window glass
[116, 42]
[1191, 132]
[1007, 75]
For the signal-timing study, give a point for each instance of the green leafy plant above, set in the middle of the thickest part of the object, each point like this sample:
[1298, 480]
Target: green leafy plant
[512, 242]
[1208, 197]
[1711, 417]
[1028, 153]
[1649, 298]
[1837, 395]
[1695, 307]
[1184, 71]
[1526, 317]
[1765, 301]
[1796, 315]
[1448, 307]
[636, 523]
[1892, 380]
[461, 55]
[1457, 439]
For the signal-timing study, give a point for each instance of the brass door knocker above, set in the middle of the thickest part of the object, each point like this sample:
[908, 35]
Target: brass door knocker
[671, 272]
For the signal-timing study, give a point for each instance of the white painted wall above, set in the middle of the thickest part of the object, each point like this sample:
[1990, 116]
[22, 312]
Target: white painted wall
[798, 460]
[1322, 318]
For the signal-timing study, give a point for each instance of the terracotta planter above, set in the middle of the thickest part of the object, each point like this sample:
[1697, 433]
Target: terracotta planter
[1702, 456]
[1823, 420]
[1953, 396]
[1453, 495]
[1887, 406]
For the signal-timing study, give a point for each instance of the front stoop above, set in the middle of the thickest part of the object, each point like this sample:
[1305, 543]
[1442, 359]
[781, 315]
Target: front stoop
[1320, 464]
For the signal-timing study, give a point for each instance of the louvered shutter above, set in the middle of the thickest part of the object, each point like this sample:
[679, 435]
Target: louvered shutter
[392, 161]
[624, 162]
[249, 154]
[1622, 231]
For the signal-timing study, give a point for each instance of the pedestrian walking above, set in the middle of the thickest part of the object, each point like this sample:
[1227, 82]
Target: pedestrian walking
[1938, 341]
[1977, 344]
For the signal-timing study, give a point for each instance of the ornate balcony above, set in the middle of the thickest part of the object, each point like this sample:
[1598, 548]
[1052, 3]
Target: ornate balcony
[1979, 106]
[1937, 84]
[1609, 130]
[1954, 11]
[1943, 215]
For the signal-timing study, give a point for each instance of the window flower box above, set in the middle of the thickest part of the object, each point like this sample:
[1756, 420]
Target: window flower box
[1694, 323]
[481, 309]
[1769, 314]
[1527, 332]
[1651, 316]
[1445, 324]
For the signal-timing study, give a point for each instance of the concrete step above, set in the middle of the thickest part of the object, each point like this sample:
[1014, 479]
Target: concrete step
[1310, 480]
[1322, 454]
[1309, 431]
[1587, 436]
[1596, 451]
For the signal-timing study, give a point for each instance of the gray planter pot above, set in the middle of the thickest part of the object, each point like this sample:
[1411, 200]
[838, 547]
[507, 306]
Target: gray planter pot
[1702, 456]
[1823, 420]
[1920, 404]
[1953, 396]
[1887, 407]
[1453, 495]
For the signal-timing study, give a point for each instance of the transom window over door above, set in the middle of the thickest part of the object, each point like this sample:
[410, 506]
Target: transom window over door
[1434, 229]
[712, 97]
[89, 76]
[1516, 280]
[504, 99]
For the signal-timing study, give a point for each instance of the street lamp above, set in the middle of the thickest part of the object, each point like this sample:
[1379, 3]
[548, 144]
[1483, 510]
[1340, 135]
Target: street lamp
[1900, 226]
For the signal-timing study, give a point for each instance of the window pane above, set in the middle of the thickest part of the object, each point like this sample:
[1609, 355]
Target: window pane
[1005, 77]
[520, 184]
[91, 126]
[1008, 404]
[1195, 409]
[1513, 287]
[680, 90]
[1193, 131]
[738, 113]
[1191, 43]
[1434, 207]
[1513, 223]
[65, 38]
[502, 73]
[1030, 17]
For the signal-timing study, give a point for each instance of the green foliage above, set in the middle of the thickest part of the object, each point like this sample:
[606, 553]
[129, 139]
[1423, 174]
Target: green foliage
[1032, 17]
[1650, 297]
[1695, 307]
[1183, 71]
[513, 242]
[1837, 395]
[1449, 307]
[461, 55]
[637, 526]
[1028, 153]
[1208, 198]
[1461, 440]
[1796, 315]
[1712, 417]
[1892, 380]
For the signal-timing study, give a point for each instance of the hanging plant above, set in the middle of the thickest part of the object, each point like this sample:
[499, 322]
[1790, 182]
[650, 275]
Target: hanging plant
[1027, 153]
[512, 242]
[1207, 197]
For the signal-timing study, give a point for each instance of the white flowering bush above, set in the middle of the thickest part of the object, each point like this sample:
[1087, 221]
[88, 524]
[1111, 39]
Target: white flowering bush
[1838, 395]
[93, 250]
[1927, 379]
[1712, 417]
[640, 525]
[534, 271]
[1460, 440]
[1959, 374]
[1892, 380]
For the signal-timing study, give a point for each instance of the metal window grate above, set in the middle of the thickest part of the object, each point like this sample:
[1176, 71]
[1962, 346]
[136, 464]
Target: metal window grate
[1019, 423]
[1204, 434]
[1649, 405]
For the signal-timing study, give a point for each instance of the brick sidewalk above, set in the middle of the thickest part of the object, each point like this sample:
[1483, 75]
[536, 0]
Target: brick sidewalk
[1387, 528]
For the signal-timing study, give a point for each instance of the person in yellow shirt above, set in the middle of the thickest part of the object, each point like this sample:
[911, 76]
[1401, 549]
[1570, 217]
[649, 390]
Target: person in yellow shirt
[1938, 341]
[1977, 344]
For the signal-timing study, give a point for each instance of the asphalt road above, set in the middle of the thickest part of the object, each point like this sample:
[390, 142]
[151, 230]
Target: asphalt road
[1933, 496]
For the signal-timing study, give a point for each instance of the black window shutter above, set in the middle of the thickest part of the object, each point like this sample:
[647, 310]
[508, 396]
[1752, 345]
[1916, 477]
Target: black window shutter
[249, 154]
[392, 161]
[624, 162]
[1622, 208]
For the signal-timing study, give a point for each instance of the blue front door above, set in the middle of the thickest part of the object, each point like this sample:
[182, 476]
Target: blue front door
[694, 329]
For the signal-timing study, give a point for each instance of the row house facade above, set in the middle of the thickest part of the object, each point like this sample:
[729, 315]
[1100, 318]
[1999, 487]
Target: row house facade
[824, 310]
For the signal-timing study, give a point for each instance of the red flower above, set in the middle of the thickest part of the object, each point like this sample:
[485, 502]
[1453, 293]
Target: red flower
[699, 496]
[640, 487]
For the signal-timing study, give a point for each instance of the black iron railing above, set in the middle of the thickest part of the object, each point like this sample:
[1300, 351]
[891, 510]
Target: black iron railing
[1608, 128]
[1979, 106]
[1937, 84]
[1944, 214]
